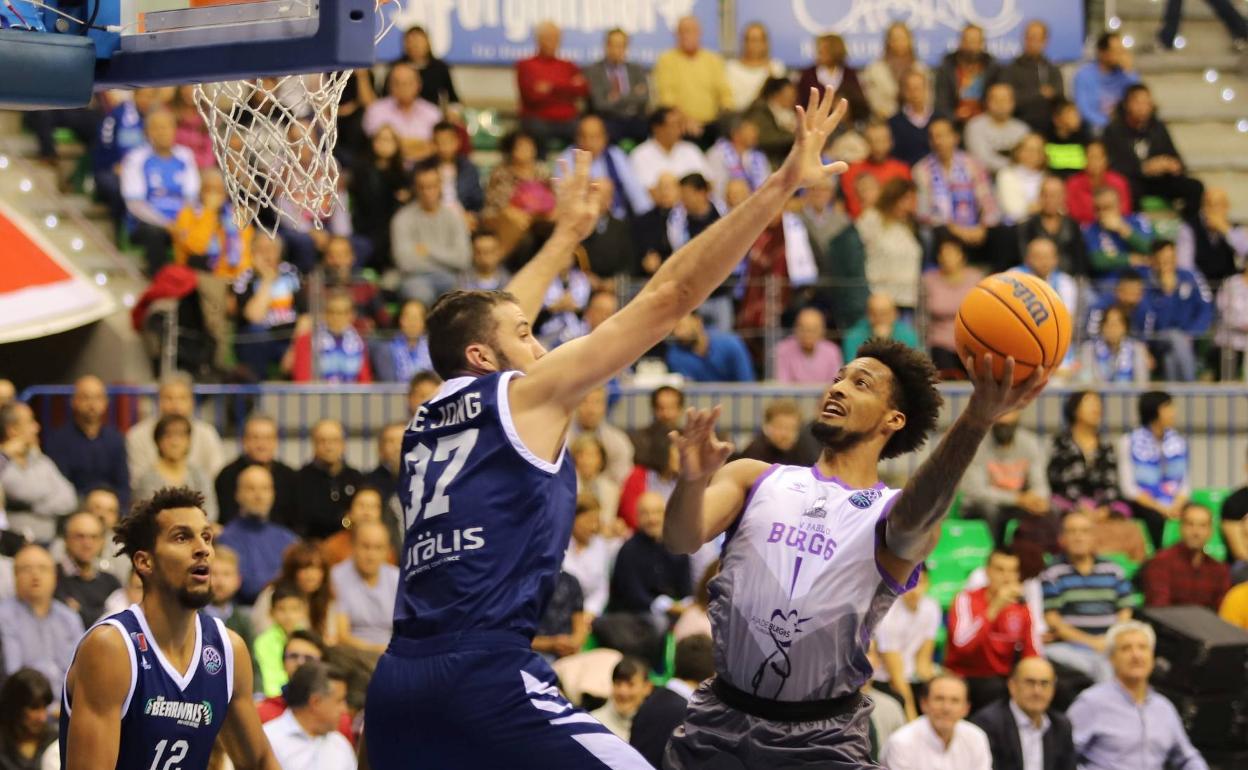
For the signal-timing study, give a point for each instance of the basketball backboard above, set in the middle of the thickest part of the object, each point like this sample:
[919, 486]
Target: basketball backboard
[168, 42]
[164, 42]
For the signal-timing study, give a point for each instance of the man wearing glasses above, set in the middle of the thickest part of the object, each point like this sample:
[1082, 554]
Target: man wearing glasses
[1023, 733]
[302, 647]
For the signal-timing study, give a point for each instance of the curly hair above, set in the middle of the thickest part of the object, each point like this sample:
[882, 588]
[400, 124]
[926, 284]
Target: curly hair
[914, 393]
[137, 531]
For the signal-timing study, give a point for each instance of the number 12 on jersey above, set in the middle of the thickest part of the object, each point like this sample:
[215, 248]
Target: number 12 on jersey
[454, 447]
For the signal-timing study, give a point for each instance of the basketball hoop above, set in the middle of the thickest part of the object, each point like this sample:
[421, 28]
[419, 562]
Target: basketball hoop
[274, 138]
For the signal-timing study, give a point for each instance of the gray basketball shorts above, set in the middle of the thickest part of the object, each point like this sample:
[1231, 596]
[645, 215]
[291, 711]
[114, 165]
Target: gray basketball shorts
[716, 736]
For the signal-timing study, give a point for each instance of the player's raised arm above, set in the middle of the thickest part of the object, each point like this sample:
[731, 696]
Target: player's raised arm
[99, 686]
[687, 278]
[576, 212]
[709, 495]
[914, 522]
[241, 732]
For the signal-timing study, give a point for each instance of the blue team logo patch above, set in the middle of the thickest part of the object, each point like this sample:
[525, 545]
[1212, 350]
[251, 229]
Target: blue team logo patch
[864, 498]
[212, 660]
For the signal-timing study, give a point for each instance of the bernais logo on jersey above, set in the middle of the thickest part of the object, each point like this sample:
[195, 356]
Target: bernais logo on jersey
[184, 713]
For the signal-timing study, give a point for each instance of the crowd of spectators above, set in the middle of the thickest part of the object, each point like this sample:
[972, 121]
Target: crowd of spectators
[989, 156]
[958, 171]
[305, 571]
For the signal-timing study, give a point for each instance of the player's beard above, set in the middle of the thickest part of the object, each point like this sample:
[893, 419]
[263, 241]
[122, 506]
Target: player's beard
[836, 440]
[194, 600]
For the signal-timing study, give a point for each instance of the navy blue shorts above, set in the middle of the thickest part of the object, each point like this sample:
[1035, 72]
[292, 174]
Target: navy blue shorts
[476, 702]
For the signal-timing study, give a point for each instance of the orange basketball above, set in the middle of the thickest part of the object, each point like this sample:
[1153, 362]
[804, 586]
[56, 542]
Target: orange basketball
[1013, 314]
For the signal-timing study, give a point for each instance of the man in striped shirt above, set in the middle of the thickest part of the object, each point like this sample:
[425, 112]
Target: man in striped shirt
[1083, 597]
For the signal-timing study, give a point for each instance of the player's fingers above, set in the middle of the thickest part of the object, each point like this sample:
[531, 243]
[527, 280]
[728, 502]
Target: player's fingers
[1007, 379]
[1036, 382]
[972, 368]
[584, 160]
[838, 167]
[831, 121]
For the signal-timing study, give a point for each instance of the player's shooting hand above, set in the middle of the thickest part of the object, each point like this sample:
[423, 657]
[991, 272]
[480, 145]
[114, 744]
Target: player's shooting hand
[701, 451]
[578, 205]
[815, 123]
[993, 398]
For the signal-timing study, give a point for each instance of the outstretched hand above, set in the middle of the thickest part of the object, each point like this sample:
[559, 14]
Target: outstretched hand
[578, 204]
[815, 123]
[701, 451]
[993, 398]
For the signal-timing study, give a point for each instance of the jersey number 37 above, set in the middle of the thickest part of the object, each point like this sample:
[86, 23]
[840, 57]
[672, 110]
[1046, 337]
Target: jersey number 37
[451, 452]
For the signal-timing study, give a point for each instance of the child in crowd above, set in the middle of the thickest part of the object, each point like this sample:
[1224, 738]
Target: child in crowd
[290, 613]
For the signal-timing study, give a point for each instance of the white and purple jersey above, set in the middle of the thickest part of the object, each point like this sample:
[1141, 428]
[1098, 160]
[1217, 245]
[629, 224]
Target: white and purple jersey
[800, 590]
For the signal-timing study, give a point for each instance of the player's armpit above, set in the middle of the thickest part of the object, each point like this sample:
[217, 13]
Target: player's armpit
[99, 687]
[241, 733]
[698, 512]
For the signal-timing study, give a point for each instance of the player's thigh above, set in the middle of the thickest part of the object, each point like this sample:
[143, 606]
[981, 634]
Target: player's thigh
[483, 710]
[713, 732]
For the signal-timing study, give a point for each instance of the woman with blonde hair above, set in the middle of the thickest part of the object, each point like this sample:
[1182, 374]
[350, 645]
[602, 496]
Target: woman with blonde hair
[753, 66]
[831, 70]
[881, 79]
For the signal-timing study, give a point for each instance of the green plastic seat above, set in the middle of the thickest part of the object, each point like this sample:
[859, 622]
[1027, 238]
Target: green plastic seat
[955, 508]
[1011, 527]
[1129, 567]
[660, 678]
[1149, 548]
[1212, 498]
[964, 545]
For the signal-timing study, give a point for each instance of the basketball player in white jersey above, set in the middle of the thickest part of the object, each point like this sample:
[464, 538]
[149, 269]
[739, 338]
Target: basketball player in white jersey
[815, 556]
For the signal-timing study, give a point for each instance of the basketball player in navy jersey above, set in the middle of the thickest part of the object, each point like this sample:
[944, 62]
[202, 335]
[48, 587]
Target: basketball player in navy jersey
[815, 556]
[489, 493]
[151, 687]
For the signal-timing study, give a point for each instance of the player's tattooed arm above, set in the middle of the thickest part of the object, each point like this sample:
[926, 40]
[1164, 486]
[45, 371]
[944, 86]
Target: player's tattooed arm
[914, 522]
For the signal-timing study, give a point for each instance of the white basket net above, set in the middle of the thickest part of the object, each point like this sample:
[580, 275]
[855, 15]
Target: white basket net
[274, 137]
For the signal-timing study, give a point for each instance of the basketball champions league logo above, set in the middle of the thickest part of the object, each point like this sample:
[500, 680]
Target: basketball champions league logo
[819, 17]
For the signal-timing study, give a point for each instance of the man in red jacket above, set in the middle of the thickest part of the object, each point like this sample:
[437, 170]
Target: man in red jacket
[549, 90]
[990, 630]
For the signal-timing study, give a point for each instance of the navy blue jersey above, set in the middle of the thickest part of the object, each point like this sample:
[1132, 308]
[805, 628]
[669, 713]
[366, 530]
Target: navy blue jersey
[168, 721]
[486, 522]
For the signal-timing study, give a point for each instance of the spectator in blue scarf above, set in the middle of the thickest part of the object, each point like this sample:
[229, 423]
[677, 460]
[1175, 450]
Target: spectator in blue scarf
[1153, 464]
[399, 358]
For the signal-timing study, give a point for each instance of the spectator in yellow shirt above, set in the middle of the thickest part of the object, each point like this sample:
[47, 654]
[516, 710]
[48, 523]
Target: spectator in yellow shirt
[1234, 608]
[693, 79]
[205, 236]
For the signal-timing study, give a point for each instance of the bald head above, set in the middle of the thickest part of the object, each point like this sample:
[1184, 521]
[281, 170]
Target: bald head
[255, 491]
[689, 34]
[370, 545]
[34, 574]
[328, 443]
[650, 510]
[547, 36]
[1032, 686]
[90, 402]
[84, 540]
